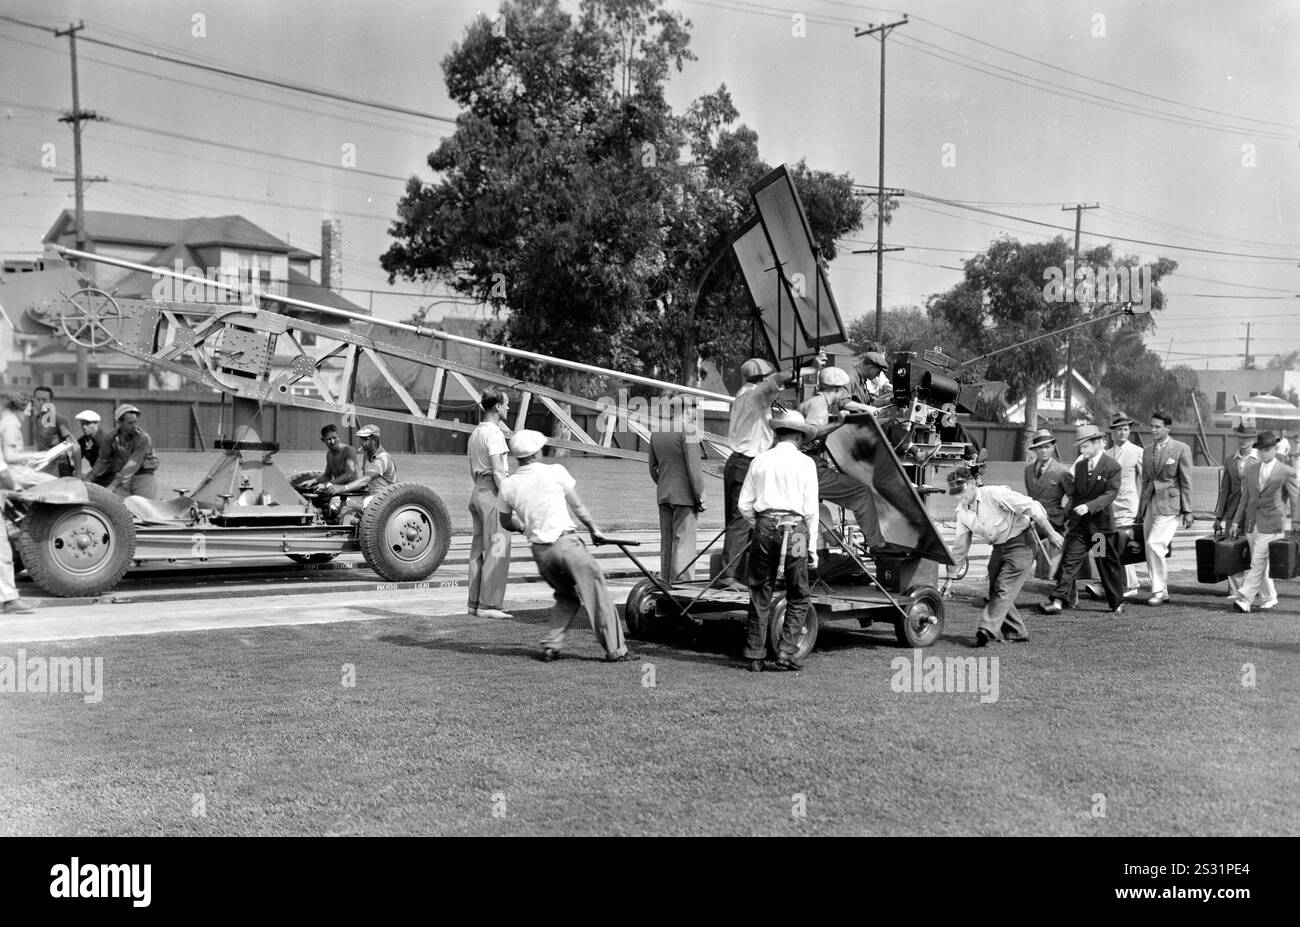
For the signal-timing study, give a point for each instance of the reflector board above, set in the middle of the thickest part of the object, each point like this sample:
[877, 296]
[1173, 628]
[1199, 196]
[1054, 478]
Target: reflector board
[773, 302]
[790, 238]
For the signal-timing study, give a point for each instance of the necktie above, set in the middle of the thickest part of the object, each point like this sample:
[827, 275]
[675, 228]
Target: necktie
[1039, 474]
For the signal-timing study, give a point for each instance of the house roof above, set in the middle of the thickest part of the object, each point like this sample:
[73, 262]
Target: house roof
[126, 228]
[1078, 379]
[305, 288]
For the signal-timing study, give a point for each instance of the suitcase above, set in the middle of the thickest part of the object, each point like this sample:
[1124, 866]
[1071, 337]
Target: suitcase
[1284, 559]
[1133, 548]
[1217, 558]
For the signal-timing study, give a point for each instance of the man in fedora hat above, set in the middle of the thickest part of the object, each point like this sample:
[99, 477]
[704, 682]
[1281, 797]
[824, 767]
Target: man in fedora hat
[779, 498]
[126, 462]
[539, 500]
[1045, 477]
[1230, 483]
[1092, 486]
[1166, 500]
[1004, 518]
[1269, 508]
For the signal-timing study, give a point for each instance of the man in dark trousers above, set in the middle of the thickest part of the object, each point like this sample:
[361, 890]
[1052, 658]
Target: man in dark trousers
[749, 435]
[1045, 483]
[1092, 486]
[675, 468]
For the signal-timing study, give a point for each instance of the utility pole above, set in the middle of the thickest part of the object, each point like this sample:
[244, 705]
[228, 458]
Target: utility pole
[1245, 359]
[1069, 340]
[883, 29]
[76, 117]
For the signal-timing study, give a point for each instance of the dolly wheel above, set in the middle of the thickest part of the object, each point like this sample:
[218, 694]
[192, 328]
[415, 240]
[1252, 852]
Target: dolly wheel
[924, 621]
[806, 641]
[405, 532]
[639, 612]
[78, 550]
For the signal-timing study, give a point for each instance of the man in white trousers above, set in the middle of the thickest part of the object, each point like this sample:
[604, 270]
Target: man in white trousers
[1166, 499]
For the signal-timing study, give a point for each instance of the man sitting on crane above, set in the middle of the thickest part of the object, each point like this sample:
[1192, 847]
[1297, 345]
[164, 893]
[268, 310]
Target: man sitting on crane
[378, 472]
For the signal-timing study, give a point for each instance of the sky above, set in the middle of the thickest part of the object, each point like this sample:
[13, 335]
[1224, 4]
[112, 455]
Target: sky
[1180, 119]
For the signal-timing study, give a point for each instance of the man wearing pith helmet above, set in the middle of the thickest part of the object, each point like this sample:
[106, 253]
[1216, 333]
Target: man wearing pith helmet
[539, 500]
[749, 435]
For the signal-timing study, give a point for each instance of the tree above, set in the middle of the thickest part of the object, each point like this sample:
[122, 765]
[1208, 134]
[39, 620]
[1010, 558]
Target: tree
[564, 200]
[1006, 303]
[1137, 383]
[900, 325]
[1284, 361]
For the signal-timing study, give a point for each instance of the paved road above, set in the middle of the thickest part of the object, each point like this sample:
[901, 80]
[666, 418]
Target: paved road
[278, 595]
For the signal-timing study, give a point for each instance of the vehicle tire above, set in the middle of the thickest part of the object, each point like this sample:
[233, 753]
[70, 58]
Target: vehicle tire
[405, 532]
[312, 558]
[78, 549]
[806, 641]
[924, 622]
[639, 612]
[302, 476]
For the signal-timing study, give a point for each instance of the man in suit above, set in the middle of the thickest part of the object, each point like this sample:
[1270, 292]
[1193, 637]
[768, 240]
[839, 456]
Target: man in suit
[1092, 486]
[1045, 478]
[675, 468]
[1225, 509]
[1269, 508]
[1166, 499]
[1125, 508]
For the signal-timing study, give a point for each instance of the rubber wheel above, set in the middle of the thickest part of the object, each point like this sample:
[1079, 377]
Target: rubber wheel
[312, 558]
[302, 476]
[639, 612]
[75, 550]
[806, 641]
[405, 532]
[924, 621]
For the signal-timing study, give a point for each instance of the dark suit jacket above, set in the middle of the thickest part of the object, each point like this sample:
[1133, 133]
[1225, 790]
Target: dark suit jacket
[1167, 482]
[675, 468]
[1097, 493]
[1225, 509]
[1049, 490]
[1265, 510]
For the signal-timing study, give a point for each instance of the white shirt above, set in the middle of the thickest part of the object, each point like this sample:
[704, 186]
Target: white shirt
[485, 442]
[535, 494]
[997, 515]
[748, 432]
[784, 479]
[1129, 457]
[1265, 471]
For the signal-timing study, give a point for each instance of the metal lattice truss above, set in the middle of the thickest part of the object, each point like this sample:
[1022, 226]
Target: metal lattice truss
[258, 353]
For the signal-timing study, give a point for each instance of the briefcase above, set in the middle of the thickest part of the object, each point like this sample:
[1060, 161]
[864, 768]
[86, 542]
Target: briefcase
[1133, 548]
[1218, 557]
[1283, 559]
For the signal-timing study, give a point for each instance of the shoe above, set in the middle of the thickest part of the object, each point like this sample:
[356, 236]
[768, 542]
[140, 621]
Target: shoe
[983, 638]
[550, 656]
[1161, 599]
[788, 664]
[493, 613]
[1051, 607]
[1117, 611]
[1241, 605]
[1265, 606]
[19, 607]
[626, 657]
[754, 666]
[1133, 594]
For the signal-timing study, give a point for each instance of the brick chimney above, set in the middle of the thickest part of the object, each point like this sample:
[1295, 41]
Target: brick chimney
[331, 253]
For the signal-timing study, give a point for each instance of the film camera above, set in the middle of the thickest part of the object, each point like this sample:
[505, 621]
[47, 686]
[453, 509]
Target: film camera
[927, 400]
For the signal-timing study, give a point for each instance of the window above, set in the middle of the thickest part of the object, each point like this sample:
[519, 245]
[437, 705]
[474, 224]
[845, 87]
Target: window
[1056, 390]
[1220, 401]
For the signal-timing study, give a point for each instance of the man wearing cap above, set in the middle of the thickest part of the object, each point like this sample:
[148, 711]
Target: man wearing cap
[539, 500]
[88, 440]
[1268, 510]
[679, 487]
[779, 498]
[1004, 518]
[125, 461]
[1124, 509]
[1166, 499]
[1230, 483]
[489, 546]
[1092, 486]
[378, 472]
[50, 430]
[825, 411]
[749, 435]
[870, 385]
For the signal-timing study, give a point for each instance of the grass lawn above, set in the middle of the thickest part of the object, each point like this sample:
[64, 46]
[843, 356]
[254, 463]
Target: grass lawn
[1148, 711]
